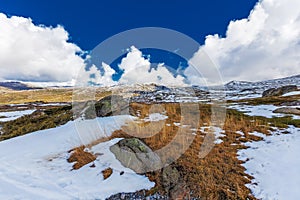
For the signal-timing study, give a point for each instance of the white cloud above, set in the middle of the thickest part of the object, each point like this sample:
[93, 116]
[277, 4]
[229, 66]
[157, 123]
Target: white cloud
[93, 76]
[202, 71]
[137, 70]
[35, 52]
[265, 45]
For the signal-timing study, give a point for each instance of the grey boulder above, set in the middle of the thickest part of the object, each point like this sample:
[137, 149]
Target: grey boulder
[136, 155]
[279, 91]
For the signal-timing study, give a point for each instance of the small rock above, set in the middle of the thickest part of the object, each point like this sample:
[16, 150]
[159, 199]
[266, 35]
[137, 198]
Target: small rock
[292, 103]
[279, 91]
[180, 191]
[288, 110]
[93, 165]
[122, 196]
[170, 177]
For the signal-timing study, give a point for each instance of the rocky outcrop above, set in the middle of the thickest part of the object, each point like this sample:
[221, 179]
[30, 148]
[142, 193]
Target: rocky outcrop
[107, 106]
[111, 105]
[288, 110]
[279, 91]
[173, 183]
[292, 103]
[170, 178]
[136, 155]
[179, 94]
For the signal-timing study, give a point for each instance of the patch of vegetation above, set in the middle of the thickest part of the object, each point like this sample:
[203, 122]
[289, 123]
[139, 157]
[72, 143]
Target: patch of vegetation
[38, 120]
[219, 175]
[80, 157]
[276, 100]
[107, 173]
[42, 118]
[45, 95]
[280, 122]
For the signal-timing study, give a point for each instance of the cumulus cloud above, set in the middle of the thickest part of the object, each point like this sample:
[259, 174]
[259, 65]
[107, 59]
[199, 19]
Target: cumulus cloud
[202, 70]
[265, 45]
[35, 52]
[94, 77]
[138, 70]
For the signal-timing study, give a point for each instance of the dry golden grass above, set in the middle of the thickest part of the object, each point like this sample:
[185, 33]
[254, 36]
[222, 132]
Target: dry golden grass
[219, 175]
[80, 157]
[45, 95]
[107, 173]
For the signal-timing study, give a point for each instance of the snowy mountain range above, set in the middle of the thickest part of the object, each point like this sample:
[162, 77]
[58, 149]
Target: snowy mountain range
[159, 93]
[263, 85]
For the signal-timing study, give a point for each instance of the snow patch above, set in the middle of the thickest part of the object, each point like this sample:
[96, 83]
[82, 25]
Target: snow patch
[274, 163]
[291, 93]
[240, 132]
[218, 132]
[9, 116]
[34, 166]
[261, 110]
[255, 133]
[155, 117]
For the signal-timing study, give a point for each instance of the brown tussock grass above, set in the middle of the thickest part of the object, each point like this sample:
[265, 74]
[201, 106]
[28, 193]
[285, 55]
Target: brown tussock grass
[80, 157]
[219, 175]
[107, 173]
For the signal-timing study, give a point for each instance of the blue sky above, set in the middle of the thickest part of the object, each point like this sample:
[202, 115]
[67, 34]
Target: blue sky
[245, 39]
[91, 21]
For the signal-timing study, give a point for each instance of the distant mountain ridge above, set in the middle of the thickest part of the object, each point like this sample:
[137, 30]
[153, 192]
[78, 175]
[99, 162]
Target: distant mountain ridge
[230, 86]
[15, 85]
[263, 85]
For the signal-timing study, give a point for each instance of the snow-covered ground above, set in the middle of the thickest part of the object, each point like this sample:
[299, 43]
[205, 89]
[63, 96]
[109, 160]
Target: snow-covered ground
[154, 117]
[261, 110]
[218, 132]
[274, 163]
[291, 93]
[52, 104]
[236, 95]
[34, 166]
[9, 116]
